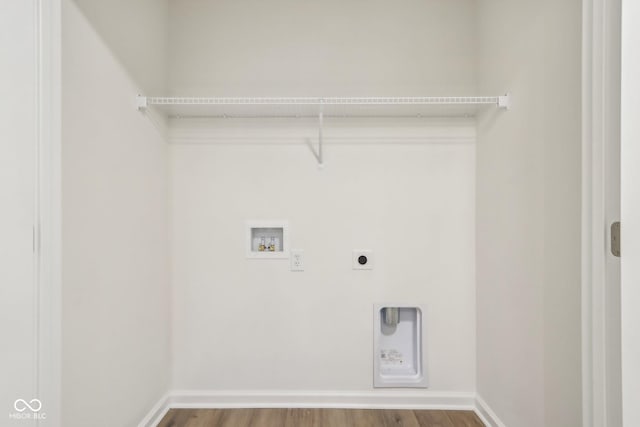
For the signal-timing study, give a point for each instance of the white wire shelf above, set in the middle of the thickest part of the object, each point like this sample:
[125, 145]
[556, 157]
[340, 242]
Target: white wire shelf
[333, 107]
[322, 108]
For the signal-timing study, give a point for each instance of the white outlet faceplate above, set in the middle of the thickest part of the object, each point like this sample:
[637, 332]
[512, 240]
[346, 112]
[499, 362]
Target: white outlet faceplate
[362, 259]
[296, 259]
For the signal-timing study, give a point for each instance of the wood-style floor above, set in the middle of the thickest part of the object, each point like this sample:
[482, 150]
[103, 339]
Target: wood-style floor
[317, 418]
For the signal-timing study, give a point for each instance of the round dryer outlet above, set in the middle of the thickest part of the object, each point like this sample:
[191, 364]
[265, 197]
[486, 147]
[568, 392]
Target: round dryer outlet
[362, 259]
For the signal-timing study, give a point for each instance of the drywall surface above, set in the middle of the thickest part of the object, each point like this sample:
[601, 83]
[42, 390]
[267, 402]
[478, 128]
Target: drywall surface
[562, 213]
[528, 213]
[136, 33]
[18, 30]
[251, 324]
[510, 203]
[115, 246]
[330, 48]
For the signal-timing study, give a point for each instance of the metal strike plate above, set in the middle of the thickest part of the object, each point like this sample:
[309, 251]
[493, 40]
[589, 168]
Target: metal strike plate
[615, 238]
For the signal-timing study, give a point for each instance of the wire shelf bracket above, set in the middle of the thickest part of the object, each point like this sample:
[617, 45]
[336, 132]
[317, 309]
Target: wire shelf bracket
[319, 156]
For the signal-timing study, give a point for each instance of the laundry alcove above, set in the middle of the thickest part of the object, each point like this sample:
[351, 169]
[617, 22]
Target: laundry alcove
[448, 135]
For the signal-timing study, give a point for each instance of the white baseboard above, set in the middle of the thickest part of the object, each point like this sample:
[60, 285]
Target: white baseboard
[322, 399]
[383, 399]
[486, 414]
[159, 410]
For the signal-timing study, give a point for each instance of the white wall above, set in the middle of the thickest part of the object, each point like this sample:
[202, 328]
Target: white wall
[330, 48]
[136, 33]
[562, 212]
[18, 141]
[242, 324]
[115, 249]
[528, 213]
[509, 217]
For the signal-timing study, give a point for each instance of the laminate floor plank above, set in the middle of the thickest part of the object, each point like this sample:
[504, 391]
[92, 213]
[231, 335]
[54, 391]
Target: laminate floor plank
[433, 419]
[268, 418]
[234, 418]
[464, 419]
[300, 417]
[334, 417]
[204, 418]
[303, 417]
[176, 418]
[366, 417]
[399, 418]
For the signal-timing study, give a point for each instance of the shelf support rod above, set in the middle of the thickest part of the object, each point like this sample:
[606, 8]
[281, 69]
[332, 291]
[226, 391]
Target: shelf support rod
[320, 138]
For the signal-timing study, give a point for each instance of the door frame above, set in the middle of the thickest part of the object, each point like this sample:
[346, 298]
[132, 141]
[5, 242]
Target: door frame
[598, 85]
[630, 209]
[48, 224]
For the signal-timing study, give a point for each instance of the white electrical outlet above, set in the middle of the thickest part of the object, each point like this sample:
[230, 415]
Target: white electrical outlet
[297, 260]
[362, 259]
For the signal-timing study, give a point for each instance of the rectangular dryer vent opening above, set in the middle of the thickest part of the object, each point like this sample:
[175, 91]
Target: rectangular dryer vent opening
[398, 356]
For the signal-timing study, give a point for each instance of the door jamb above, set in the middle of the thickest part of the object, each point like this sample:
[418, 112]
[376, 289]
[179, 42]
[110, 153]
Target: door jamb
[596, 88]
[48, 226]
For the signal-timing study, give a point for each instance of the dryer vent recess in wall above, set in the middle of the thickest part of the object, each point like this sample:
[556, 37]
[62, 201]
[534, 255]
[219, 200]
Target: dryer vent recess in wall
[398, 343]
